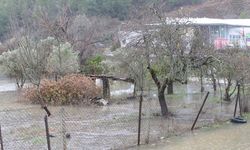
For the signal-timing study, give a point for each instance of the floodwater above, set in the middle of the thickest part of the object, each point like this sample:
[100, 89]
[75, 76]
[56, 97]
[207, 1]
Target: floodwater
[225, 137]
[109, 127]
[7, 85]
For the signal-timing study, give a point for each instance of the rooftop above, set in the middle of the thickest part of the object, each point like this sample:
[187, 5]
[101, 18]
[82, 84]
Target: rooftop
[208, 21]
[213, 21]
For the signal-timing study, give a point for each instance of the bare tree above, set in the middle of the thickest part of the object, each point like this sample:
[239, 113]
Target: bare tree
[201, 55]
[234, 62]
[82, 32]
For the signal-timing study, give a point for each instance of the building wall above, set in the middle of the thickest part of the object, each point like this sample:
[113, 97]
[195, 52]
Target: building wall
[228, 36]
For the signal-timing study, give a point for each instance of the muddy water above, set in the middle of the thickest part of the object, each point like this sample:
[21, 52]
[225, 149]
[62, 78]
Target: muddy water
[226, 137]
[110, 127]
[7, 84]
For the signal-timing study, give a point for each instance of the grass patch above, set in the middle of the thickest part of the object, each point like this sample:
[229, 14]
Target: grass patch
[38, 140]
[214, 99]
[176, 96]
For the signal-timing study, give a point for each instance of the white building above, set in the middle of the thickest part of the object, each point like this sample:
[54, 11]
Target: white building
[225, 32]
[221, 32]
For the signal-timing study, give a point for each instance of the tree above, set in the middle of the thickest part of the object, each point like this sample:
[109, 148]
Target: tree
[165, 55]
[130, 62]
[83, 33]
[201, 55]
[94, 65]
[113, 8]
[234, 68]
[34, 58]
[11, 65]
[63, 60]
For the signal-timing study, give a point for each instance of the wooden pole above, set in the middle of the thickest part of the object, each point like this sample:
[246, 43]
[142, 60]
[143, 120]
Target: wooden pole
[240, 103]
[140, 106]
[47, 132]
[47, 110]
[200, 111]
[1, 138]
[139, 121]
[237, 99]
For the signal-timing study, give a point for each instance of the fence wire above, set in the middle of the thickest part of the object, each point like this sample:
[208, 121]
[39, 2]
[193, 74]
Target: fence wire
[107, 127]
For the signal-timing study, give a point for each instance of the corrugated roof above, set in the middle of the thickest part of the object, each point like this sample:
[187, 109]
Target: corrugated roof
[213, 21]
[207, 21]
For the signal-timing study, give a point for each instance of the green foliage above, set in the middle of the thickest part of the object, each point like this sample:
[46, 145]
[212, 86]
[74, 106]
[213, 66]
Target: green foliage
[63, 60]
[94, 65]
[244, 15]
[177, 3]
[11, 65]
[3, 23]
[4, 20]
[113, 8]
[33, 59]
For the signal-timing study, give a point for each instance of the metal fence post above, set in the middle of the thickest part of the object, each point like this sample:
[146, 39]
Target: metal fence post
[1, 138]
[47, 131]
[200, 111]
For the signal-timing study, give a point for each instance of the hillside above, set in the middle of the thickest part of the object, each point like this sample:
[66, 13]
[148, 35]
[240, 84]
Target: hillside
[217, 9]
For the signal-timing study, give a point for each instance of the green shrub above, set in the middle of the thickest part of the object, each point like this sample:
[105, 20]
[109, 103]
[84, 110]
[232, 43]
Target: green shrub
[94, 66]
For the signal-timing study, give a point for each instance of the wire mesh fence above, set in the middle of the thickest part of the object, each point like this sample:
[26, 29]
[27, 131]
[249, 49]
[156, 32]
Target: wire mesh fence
[108, 127]
[23, 129]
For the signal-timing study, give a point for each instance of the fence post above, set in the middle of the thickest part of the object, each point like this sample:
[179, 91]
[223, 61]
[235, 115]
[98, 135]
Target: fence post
[63, 129]
[1, 138]
[237, 101]
[139, 120]
[47, 131]
[200, 111]
[240, 104]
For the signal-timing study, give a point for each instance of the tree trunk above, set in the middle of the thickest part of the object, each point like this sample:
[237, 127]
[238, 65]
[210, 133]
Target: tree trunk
[245, 100]
[161, 91]
[228, 95]
[170, 87]
[214, 83]
[201, 80]
[134, 92]
[106, 88]
[163, 104]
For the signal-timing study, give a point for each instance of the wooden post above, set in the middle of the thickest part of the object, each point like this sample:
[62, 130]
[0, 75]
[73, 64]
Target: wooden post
[140, 105]
[47, 132]
[106, 88]
[240, 103]
[1, 138]
[237, 101]
[47, 110]
[139, 120]
[236, 104]
[200, 111]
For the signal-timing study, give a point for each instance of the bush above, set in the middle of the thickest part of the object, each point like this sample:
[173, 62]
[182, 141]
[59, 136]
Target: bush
[71, 89]
[94, 66]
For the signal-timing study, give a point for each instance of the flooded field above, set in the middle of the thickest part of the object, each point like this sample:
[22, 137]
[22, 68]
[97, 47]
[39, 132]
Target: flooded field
[108, 127]
[226, 137]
